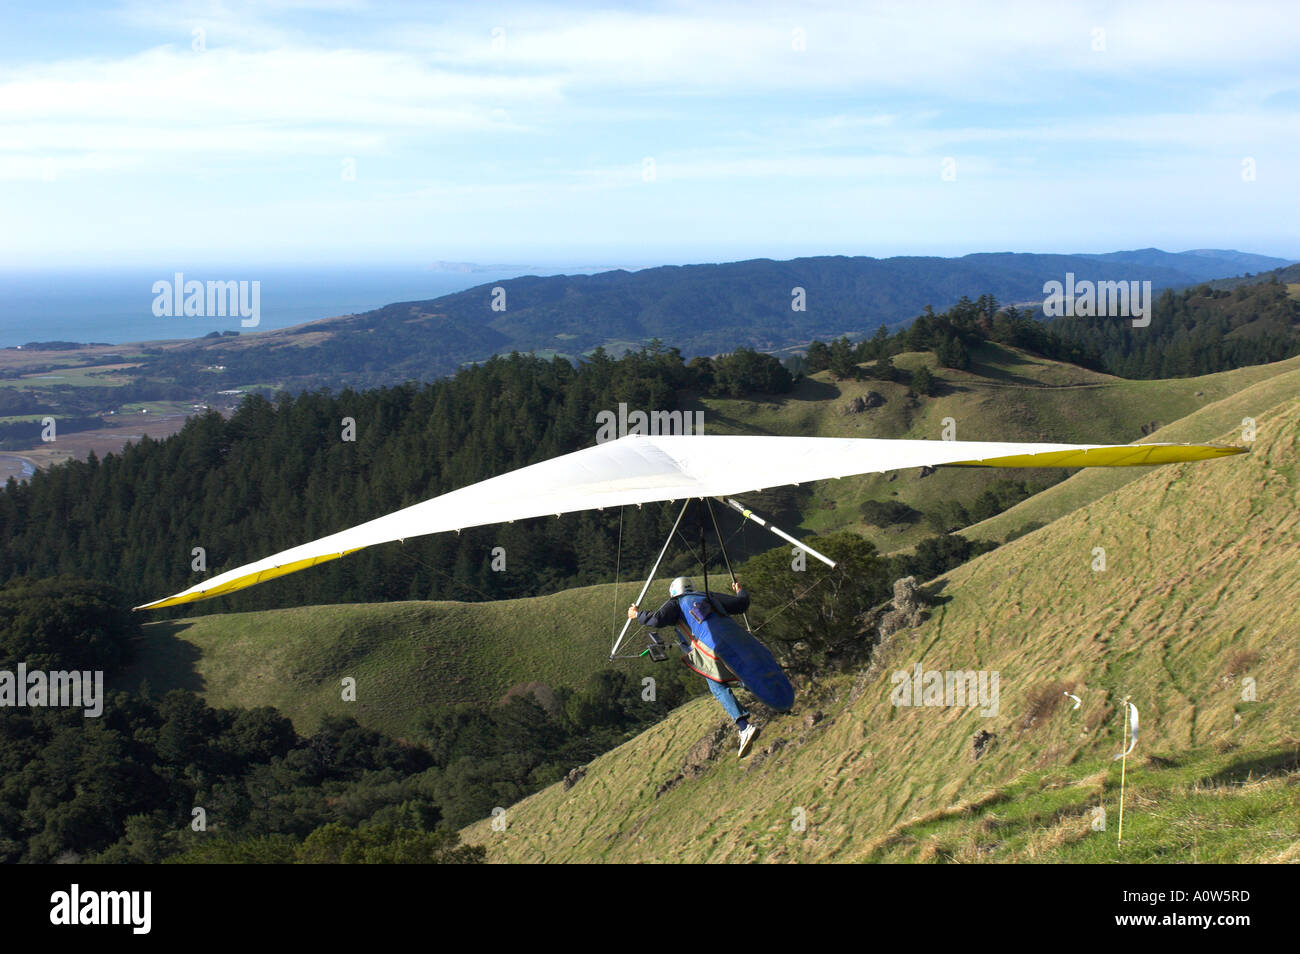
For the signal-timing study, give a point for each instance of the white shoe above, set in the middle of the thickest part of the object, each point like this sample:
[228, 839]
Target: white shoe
[747, 738]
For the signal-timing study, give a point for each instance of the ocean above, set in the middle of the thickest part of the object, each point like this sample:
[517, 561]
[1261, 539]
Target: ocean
[117, 306]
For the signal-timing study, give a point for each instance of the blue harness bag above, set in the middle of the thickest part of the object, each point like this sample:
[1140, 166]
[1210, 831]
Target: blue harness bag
[719, 648]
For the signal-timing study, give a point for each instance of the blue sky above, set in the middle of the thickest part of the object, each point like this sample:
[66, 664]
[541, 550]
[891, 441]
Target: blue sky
[351, 132]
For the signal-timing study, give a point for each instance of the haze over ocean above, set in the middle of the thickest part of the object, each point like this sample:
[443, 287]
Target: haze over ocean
[115, 306]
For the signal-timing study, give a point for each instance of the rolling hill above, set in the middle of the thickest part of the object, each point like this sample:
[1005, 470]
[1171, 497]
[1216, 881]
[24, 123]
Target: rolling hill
[408, 658]
[1193, 618]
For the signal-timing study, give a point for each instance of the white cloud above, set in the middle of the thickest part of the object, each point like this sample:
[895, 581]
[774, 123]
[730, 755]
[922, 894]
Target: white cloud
[955, 49]
[166, 101]
[545, 135]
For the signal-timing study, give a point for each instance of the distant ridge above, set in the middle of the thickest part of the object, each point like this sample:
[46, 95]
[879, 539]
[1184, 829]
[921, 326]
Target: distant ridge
[700, 309]
[1202, 264]
[704, 309]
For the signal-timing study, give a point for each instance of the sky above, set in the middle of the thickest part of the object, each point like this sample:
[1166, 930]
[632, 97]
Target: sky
[340, 131]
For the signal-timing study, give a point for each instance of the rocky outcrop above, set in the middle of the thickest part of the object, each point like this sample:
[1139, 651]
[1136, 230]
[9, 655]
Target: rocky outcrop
[864, 402]
[697, 760]
[905, 611]
[980, 743]
[574, 777]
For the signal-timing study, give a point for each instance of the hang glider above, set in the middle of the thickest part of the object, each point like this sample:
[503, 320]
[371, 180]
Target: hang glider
[640, 469]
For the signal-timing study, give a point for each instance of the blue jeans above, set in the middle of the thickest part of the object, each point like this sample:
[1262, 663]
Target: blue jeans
[725, 696]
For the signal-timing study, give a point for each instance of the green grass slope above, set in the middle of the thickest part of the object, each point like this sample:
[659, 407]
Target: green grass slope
[1224, 415]
[1206, 806]
[406, 658]
[1201, 591]
[1007, 395]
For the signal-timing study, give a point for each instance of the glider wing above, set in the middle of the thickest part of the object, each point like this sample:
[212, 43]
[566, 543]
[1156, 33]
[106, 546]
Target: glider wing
[642, 469]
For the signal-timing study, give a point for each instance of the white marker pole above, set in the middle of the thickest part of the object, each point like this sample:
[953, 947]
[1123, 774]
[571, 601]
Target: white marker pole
[1130, 741]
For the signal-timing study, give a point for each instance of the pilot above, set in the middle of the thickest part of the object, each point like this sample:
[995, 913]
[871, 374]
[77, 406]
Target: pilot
[684, 611]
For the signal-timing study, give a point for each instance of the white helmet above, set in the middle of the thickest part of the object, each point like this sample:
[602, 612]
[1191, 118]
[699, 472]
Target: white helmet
[679, 586]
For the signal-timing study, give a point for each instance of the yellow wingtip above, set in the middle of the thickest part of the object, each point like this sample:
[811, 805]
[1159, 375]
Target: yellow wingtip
[239, 583]
[1120, 455]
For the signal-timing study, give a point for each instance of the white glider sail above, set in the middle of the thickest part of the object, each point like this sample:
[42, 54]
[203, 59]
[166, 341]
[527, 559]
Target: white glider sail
[641, 469]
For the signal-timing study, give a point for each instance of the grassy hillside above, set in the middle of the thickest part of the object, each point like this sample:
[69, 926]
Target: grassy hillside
[1249, 392]
[1007, 395]
[406, 657]
[1207, 806]
[1199, 593]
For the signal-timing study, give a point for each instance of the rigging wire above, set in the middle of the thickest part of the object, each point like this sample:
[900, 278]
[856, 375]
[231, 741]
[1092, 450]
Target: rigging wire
[704, 554]
[701, 556]
[725, 559]
[653, 571]
[689, 548]
[695, 555]
[789, 603]
[455, 582]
